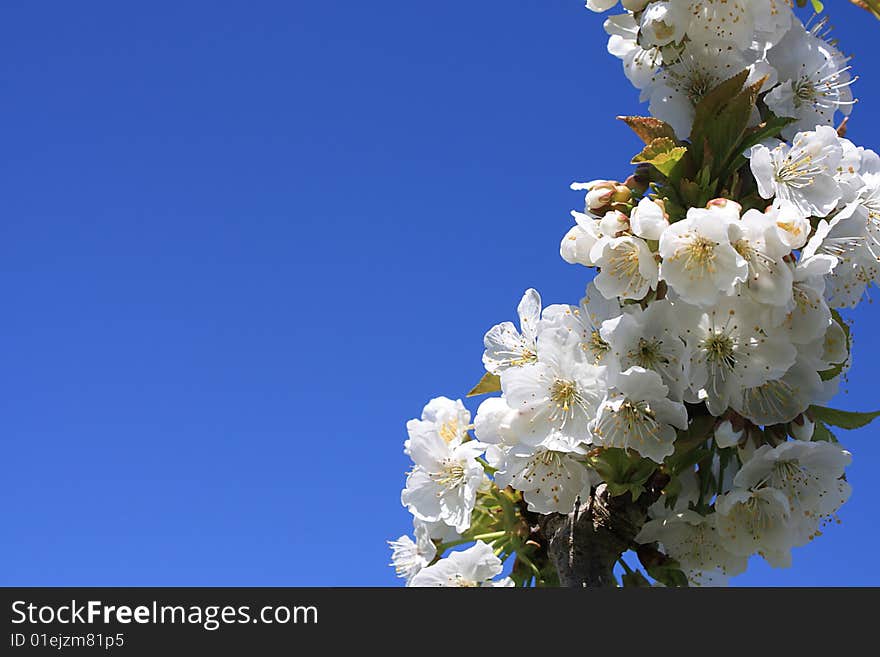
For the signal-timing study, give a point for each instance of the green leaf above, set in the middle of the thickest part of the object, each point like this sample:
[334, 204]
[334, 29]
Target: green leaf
[648, 128]
[720, 122]
[697, 433]
[669, 575]
[686, 461]
[707, 110]
[690, 193]
[726, 133]
[690, 445]
[823, 434]
[623, 473]
[635, 579]
[827, 375]
[770, 128]
[489, 383]
[634, 490]
[661, 567]
[843, 419]
[663, 154]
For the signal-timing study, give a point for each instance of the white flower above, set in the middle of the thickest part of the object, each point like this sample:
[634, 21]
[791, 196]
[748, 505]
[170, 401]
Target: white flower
[550, 476]
[663, 23]
[815, 81]
[847, 285]
[474, 567]
[495, 422]
[848, 170]
[649, 220]
[808, 316]
[773, 20]
[802, 173]
[443, 485]
[613, 224]
[726, 435]
[600, 5]
[648, 339]
[757, 239]
[639, 64]
[853, 237]
[730, 351]
[687, 495]
[793, 226]
[628, 268]
[693, 541]
[781, 399]
[442, 418]
[680, 86]
[738, 22]
[438, 530]
[802, 428]
[505, 346]
[809, 474]
[844, 239]
[638, 415]
[408, 557]
[699, 262]
[834, 346]
[584, 322]
[752, 522]
[557, 394]
[578, 243]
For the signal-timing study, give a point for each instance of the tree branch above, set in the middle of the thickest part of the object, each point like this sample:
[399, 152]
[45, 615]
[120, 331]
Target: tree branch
[585, 545]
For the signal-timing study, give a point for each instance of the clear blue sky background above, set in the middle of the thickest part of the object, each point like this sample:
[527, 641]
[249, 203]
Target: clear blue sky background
[243, 242]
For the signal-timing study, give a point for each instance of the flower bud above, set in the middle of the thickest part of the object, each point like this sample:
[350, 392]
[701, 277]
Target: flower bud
[634, 5]
[600, 6]
[637, 183]
[614, 223]
[725, 204]
[622, 194]
[600, 195]
[649, 219]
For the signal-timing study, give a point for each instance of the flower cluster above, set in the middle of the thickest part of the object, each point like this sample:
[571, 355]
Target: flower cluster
[710, 338]
[675, 52]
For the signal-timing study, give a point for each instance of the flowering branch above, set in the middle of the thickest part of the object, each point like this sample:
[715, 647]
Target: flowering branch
[679, 411]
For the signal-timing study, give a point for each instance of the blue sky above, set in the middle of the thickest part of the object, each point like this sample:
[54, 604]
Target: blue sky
[242, 243]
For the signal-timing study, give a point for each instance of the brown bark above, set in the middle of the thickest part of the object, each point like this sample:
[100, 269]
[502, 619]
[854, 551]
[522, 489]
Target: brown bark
[586, 544]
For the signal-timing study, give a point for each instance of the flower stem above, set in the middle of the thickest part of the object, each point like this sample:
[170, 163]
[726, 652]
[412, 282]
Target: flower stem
[490, 537]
